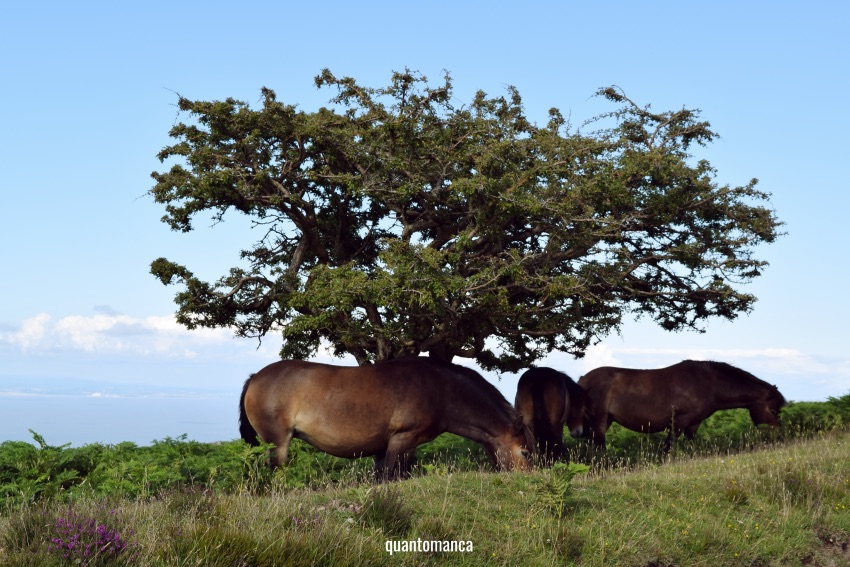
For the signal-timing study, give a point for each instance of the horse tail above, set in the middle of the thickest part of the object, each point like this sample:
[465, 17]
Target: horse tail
[539, 420]
[249, 434]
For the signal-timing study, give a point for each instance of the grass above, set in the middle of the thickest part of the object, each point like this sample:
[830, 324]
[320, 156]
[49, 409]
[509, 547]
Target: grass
[772, 507]
[787, 504]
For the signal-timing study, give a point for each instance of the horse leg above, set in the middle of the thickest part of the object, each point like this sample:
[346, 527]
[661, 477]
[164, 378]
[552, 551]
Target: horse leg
[670, 442]
[380, 465]
[675, 431]
[397, 459]
[677, 428]
[558, 452]
[405, 463]
[280, 452]
[691, 430]
[598, 428]
[385, 469]
[553, 446]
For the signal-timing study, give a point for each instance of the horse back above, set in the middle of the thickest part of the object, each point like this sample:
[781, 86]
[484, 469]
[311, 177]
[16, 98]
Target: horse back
[637, 398]
[344, 411]
[542, 399]
[296, 386]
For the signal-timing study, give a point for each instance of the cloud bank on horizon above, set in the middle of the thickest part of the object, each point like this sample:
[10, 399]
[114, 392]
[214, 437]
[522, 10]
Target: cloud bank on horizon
[111, 333]
[126, 340]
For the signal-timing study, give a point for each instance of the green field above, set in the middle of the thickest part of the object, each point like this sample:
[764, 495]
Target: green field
[735, 496]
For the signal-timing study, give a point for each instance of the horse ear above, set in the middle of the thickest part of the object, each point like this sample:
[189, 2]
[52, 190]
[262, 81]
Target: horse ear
[518, 424]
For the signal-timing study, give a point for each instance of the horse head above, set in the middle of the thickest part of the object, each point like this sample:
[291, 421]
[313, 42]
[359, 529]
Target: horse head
[577, 411]
[513, 450]
[766, 410]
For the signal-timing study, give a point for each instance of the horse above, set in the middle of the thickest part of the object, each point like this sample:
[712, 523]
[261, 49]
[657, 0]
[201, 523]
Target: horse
[547, 399]
[385, 410]
[676, 398]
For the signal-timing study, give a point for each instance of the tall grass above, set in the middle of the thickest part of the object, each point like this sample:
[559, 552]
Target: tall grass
[784, 504]
[737, 495]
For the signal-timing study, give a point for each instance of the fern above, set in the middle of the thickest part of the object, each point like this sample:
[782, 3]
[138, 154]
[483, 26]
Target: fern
[553, 494]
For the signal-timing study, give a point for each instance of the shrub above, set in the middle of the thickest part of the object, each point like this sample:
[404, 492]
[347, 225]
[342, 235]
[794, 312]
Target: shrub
[800, 418]
[841, 406]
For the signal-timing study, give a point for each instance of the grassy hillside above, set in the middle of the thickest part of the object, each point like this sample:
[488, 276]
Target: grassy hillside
[786, 503]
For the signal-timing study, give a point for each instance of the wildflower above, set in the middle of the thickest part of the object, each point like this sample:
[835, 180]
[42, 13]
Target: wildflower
[82, 538]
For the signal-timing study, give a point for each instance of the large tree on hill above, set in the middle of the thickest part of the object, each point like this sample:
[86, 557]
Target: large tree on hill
[399, 222]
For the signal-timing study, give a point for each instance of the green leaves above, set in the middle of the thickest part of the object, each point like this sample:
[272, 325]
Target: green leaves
[555, 490]
[396, 222]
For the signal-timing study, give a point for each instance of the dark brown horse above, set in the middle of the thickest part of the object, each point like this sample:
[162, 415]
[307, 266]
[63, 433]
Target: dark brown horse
[677, 398]
[547, 399]
[385, 410]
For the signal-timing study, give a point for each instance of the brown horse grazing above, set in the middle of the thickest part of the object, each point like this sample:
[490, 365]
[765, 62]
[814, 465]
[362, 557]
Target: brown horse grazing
[386, 410]
[547, 399]
[677, 398]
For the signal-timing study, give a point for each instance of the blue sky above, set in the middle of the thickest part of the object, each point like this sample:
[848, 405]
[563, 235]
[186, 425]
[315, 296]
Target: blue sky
[89, 96]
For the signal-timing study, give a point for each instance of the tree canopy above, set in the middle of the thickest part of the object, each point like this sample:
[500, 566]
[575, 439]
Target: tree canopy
[399, 221]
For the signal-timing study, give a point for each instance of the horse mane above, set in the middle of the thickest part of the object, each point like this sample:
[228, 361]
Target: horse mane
[469, 376]
[738, 373]
[573, 388]
[725, 367]
[477, 380]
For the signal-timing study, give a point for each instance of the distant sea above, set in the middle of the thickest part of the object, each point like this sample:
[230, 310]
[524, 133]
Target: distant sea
[115, 414]
[80, 411]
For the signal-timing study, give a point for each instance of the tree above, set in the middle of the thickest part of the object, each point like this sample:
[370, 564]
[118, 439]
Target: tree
[397, 222]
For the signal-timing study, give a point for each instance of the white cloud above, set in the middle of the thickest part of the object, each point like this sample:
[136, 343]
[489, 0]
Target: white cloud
[31, 333]
[113, 334]
[599, 355]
